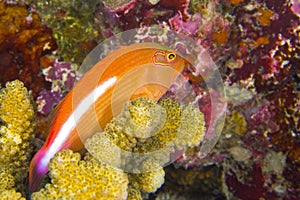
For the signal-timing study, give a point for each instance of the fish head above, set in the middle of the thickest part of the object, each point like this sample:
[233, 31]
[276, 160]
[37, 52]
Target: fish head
[169, 58]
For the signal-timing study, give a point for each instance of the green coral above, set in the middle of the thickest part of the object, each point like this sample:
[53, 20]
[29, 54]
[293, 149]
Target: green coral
[73, 178]
[17, 123]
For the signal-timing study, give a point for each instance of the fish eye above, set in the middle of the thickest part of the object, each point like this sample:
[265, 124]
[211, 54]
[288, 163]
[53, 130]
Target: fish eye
[170, 56]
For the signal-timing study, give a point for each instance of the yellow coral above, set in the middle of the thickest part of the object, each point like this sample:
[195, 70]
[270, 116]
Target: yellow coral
[235, 124]
[148, 181]
[168, 132]
[192, 128]
[146, 126]
[143, 117]
[17, 122]
[134, 194]
[7, 180]
[167, 125]
[103, 149]
[73, 178]
[11, 195]
[184, 127]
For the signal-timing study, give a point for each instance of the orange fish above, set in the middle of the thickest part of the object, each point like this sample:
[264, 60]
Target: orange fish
[126, 73]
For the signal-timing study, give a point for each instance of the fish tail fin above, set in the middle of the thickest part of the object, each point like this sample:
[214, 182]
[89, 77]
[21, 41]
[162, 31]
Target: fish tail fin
[38, 169]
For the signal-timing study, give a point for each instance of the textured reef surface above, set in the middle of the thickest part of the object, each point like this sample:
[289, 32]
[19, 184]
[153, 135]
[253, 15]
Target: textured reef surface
[256, 47]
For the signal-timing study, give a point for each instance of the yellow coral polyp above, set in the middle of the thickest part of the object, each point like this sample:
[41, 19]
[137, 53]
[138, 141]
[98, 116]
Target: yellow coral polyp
[11, 195]
[134, 194]
[7, 180]
[73, 178]
[16, 134]
[192, 128]
[148, 181]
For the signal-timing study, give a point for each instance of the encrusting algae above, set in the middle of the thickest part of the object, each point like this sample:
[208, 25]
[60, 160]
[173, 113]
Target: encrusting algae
[17, 123]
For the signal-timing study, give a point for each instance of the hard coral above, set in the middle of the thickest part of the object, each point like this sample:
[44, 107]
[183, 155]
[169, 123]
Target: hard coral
[17, 120]
[150, 179]
[24, 40]
[165, 126]
[72, 178]
[141, 139]
[7, 180]
[11, 195]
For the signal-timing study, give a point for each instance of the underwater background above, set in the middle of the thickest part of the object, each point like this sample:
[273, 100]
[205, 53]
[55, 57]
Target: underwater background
[254, 44]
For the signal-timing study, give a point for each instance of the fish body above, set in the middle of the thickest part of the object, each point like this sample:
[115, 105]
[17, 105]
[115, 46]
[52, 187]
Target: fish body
[89, 106]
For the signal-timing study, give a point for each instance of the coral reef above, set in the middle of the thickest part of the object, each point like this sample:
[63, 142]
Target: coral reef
[149, 180]
[259, 62]
[17, 123]
[136, 12]
[255, 45]
[82, 179]
[72, 24]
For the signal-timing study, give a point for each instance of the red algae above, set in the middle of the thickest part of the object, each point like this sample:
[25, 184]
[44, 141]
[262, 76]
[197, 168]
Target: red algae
[24, 40]
[178, 5]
